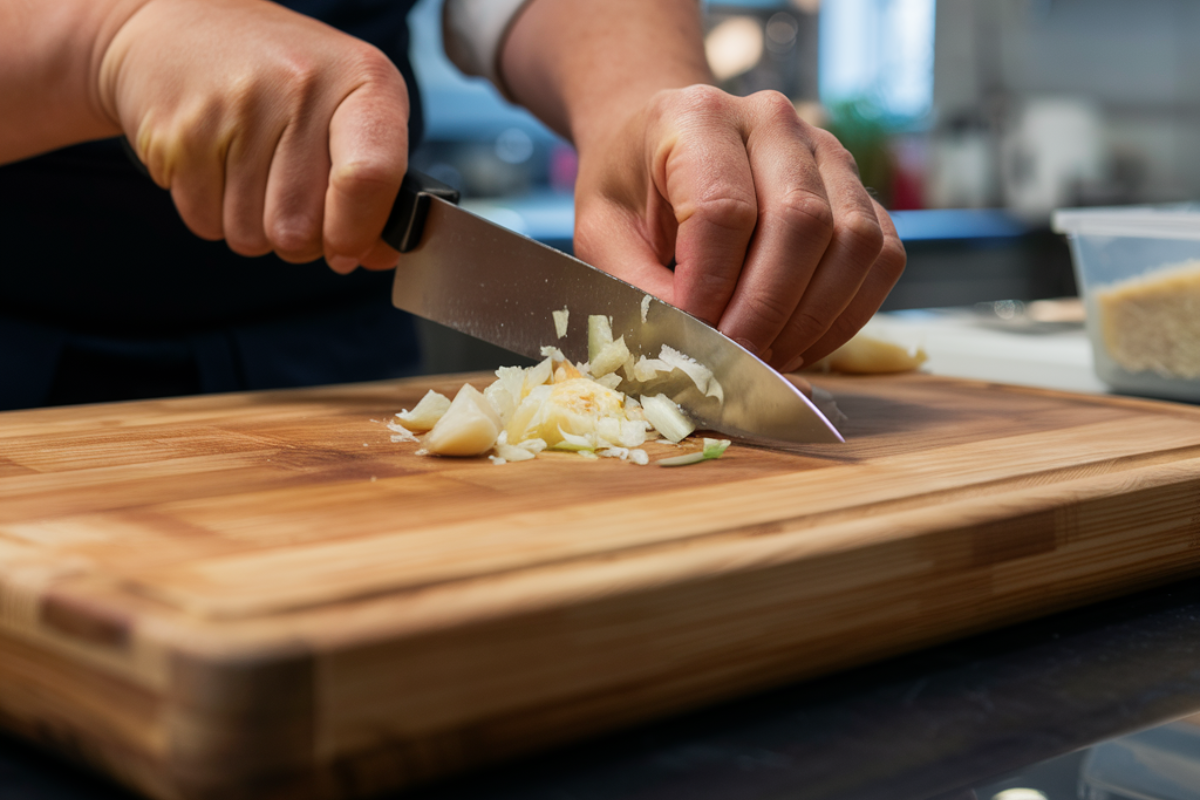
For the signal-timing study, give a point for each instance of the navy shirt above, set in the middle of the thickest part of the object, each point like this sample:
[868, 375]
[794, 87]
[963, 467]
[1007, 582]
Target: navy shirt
[105, 294]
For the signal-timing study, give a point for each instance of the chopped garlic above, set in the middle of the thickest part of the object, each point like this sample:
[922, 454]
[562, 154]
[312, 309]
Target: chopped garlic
[426, 412]
[610, 381]
[667, 417]
[539, 375]
[611, 357]
[469, 427]
[574, 442]
[560, 405]
[701, 375]
[510, 452]
[534, 446]
[500, 395]
[560, 322]
[571, 407]
[401, 433]
[648, 369]
[599, 335]
[713, 448]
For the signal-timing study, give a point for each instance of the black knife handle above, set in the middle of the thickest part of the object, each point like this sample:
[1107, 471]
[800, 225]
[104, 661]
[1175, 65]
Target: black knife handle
[407, 220]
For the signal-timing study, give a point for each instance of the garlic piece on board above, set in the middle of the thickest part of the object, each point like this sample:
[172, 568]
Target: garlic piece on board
[425, 413]
[469, 427]
[667, 417]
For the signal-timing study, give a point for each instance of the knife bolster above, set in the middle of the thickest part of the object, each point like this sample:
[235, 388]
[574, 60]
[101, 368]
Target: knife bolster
[407, 220]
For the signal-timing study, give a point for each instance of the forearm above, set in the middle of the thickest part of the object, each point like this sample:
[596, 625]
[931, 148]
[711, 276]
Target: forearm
[579, 65]
[50, 59]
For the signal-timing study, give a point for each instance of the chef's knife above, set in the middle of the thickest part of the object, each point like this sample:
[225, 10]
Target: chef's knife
[474, 276]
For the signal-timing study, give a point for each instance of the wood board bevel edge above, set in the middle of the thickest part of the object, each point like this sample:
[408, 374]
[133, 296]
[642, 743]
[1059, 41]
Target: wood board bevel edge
[449, 747]
[1083, 575]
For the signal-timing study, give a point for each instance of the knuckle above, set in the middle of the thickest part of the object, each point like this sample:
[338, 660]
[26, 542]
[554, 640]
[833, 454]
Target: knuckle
[199, 213]
[824, 140]
[725, 210]
[371, 64]
[775, 105]
[295, 84]
[246, 243]
[699, 98]
[807, 327]
[809, 213]
[892, 260]
[862, 234]
[244, 95]
[712, 287]
[365, 174]
[350, 240]
[771, 310]
[204, 228]
[832, 149]
[191, 130]
[295, 239]
[303, 78]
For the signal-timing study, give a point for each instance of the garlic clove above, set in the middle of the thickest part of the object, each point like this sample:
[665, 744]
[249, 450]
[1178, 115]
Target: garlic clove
[469, 427]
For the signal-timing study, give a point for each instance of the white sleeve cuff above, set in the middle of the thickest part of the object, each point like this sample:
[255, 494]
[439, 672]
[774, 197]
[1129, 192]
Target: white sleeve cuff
[474, 31]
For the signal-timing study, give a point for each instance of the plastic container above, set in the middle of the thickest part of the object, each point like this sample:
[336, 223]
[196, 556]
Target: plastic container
[1138, 271]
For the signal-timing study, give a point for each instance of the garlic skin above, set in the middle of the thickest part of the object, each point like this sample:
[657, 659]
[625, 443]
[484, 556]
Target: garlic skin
[470, 426]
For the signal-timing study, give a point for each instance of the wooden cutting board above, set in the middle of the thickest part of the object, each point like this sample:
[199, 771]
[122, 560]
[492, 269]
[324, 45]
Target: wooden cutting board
[261, 596]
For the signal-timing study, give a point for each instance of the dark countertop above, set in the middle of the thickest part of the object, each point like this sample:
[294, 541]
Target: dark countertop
[911, 728]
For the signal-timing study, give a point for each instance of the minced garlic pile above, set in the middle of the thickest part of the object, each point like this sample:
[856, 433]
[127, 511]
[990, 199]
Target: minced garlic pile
[557, 405]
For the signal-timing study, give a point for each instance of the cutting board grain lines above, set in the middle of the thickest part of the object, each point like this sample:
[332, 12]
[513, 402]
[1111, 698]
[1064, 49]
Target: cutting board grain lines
[259, 595]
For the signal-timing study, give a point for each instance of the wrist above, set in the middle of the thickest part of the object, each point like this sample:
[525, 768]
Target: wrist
[113, 45]
[50, 55]
[585, 67]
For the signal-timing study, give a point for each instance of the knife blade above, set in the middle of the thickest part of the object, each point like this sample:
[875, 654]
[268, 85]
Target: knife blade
[482, 279]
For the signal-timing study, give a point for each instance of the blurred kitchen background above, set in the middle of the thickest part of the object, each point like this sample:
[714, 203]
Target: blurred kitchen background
[971, 120]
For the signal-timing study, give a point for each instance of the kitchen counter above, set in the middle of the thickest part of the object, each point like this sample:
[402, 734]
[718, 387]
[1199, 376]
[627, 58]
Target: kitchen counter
[1000, 342]
[954, 716]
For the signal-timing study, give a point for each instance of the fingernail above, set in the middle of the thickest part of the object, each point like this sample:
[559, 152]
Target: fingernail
[765, 355]
[794, 364]
[343, 265]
